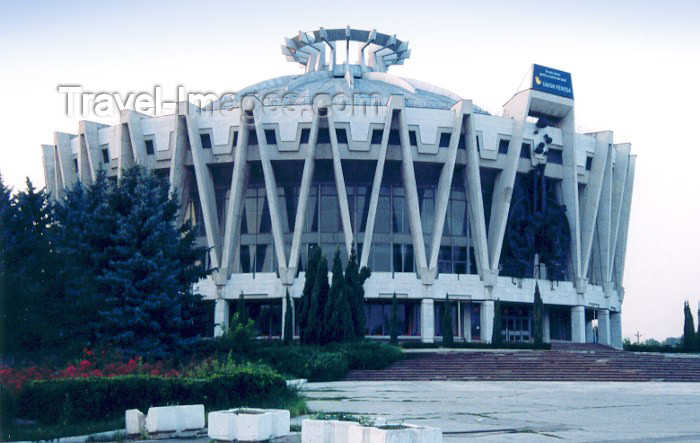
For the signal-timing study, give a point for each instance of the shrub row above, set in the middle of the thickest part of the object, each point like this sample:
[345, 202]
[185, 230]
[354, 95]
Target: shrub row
[475, 345]
[79, 400]
[327, 363]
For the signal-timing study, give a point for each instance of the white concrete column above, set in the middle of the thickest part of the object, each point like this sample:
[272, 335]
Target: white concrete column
[427, 320]
[546, 336]
[616, 329]
[604, 327]
[487, 321]
[220, 317]
[578, 324]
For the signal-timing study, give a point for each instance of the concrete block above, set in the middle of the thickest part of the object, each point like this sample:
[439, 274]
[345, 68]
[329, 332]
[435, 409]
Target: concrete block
[175, 418]
[135, 422]
[409, 434]
[317, 431]
[248, 424]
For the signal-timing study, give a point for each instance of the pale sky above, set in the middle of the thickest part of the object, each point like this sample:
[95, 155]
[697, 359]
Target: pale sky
[635, 67]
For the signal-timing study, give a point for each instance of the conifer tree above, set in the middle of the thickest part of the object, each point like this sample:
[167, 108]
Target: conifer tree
[688, 328]
[537, 317]
[340, 325]
[496, 337]
[354, 285]
[393, 321]
[307, 293]
[447, 338]
[317, 305]
[288, 320]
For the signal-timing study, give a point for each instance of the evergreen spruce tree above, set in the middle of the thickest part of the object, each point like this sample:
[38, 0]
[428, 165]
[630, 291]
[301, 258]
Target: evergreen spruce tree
[241, 310]
[307, 293]
[317, 305]
[288, 320]
[446, 326]
[496, 337]
[688, 328]
[354, 285]
[394, 321]
[33, 307]
[148, 307]
[537, 317]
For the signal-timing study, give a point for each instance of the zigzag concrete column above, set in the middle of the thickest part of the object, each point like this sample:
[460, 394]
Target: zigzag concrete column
[306, 180]
[578, 324]
[377, 181]
[592, 199]
[49, 159]
[487, 311]
[179, 177]
[427, 320]
[619, 179]
[546, 335]
[221, 315]
[569, 187]
[518, 107]
[410, 188]
[623, 229]
[604, 327]
[68, 174]
[604, 220]
[445, 183]
[340, 185]
[234, 211]
[205, 187]
[616, 329]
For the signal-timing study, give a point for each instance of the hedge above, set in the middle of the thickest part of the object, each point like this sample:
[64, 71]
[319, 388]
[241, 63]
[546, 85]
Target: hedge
[78, 400]
[328, 363]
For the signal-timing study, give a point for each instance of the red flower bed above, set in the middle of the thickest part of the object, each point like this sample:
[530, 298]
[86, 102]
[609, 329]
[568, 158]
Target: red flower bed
[90, 365]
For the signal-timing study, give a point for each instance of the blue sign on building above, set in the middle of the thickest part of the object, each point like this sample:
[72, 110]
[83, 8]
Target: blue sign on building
[552, 80]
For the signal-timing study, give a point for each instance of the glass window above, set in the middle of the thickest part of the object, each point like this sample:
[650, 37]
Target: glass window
[330, 210]
[382, 222]
[312, 211]
[381, 257]
[426, 197]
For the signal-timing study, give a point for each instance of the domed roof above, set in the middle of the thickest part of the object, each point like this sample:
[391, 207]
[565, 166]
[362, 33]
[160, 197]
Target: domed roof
[343, 82]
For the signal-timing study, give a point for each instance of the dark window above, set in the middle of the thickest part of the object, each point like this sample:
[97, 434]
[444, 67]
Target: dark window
[377, 136]
[525, 151]
[260, 251]
[555, 156]
[206, 141]
[478, 143]
[305, 135]
[342, 136]
[322, 112]
[324, 136]
[270, 137]
[252, 137]
[75, 164]
[394, 138]
[149, 147]
[589, 163]
[105, 155]
[245, 259]
[445, 140]
[235, 138]
[503, 146]
[463, 142]
[412, 138]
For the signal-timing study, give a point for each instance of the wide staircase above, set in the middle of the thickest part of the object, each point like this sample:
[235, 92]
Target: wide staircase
[564, 362]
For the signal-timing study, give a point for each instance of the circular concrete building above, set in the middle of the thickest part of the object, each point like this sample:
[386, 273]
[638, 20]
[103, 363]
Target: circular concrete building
[437, 196]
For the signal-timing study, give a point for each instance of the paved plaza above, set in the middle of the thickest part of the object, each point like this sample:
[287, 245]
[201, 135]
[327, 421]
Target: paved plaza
[525, 411]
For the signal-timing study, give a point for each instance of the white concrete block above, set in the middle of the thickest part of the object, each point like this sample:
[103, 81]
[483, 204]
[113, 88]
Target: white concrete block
[281, 421]
[135, 422]
[248, 424]
[175, 418]
[317, 431]
[409, 434]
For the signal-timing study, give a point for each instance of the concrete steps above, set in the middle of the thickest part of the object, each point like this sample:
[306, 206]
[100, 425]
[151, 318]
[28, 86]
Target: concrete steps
[565, 362]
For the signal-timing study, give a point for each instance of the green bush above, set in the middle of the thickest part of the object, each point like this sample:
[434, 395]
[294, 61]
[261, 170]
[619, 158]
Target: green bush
[326, 366]
[78, 400]
[369, 354]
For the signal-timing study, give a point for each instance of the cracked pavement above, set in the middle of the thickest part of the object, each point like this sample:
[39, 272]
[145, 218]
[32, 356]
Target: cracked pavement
[491, 411]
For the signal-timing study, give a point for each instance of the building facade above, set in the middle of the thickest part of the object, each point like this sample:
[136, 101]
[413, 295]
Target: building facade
[437, 196]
